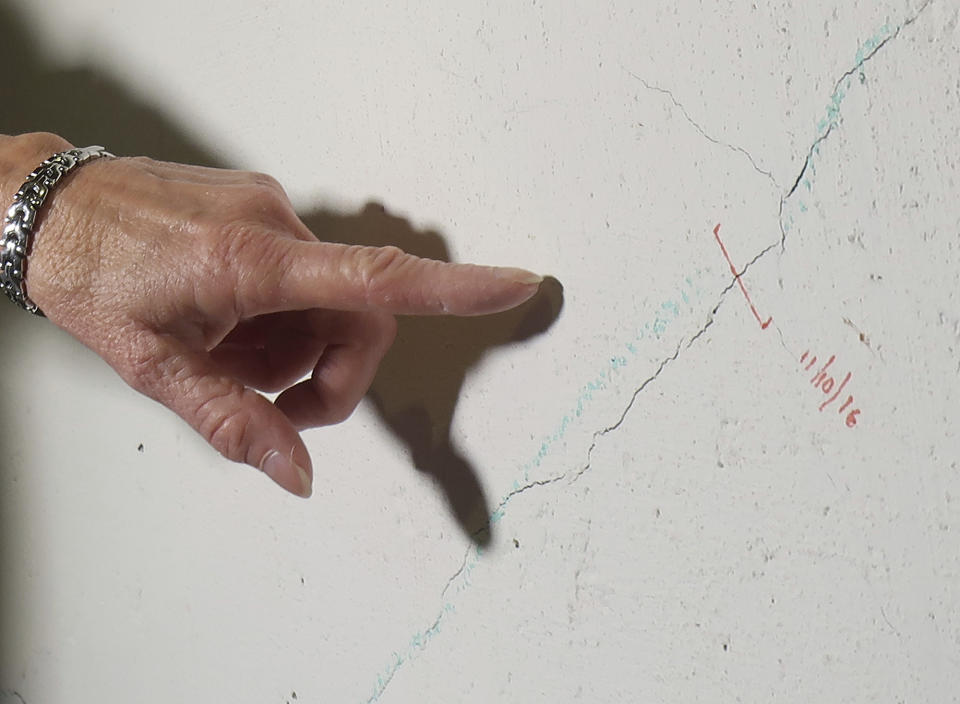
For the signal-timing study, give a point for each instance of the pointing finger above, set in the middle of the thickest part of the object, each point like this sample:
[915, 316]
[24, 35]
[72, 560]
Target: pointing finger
[297, 275]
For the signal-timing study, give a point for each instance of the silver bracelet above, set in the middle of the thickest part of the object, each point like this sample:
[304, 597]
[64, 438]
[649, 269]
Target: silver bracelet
[20, 219]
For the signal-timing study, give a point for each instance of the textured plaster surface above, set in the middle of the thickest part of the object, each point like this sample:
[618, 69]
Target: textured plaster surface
[673, 516]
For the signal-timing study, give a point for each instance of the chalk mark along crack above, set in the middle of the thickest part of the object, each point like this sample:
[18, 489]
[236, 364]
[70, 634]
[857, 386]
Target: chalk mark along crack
[867, 52]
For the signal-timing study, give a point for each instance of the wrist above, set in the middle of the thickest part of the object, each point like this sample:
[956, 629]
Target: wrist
[21, 154]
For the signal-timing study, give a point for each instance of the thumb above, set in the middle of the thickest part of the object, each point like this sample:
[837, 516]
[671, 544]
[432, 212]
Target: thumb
[238, 422]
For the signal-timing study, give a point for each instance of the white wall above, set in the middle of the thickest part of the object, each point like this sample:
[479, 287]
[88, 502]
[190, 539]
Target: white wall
[674, 519]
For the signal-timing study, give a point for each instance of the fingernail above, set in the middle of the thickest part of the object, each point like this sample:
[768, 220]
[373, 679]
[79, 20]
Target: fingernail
[306, 483]
[276, 466]
[522, 276]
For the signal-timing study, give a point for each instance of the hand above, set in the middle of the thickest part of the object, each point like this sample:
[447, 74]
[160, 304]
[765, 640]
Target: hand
[199, 286]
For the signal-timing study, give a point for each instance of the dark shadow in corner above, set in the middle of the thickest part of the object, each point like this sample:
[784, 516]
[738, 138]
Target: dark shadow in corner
[81, 104]
[418, 385]
[38, 95]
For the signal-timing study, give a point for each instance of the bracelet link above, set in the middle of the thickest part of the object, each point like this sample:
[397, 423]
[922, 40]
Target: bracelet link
[21, 217]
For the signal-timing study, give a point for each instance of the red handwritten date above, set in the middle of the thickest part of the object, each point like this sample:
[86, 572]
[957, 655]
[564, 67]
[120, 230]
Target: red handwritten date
[821, 379]
[826, 383]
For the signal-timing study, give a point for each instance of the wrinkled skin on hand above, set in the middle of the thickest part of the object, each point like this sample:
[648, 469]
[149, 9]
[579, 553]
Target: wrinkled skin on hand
[201, 286]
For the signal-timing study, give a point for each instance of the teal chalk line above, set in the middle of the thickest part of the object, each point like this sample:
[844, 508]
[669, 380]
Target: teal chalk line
[866, 51]
[832, 111]
[664, 315]
[654, 328]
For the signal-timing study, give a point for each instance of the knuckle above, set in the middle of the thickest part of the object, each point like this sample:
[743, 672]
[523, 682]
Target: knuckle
[227, 426]
[241, 247]
[257, 263]
[263, 199]
[267, 181]
[222, 252]
[255, 201]
[229, 243]
[328, 405]
[379, 267]
[142, 362]
[339, 409]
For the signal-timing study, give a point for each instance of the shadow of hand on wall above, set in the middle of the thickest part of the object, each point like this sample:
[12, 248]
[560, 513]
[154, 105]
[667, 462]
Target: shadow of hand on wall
[417, 387]
[419, 382]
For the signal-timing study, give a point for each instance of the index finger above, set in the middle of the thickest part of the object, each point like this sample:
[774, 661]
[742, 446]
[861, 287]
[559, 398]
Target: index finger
[303, 275]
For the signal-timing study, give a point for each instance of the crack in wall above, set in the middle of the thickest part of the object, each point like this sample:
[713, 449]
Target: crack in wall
[832, 120]
[597, 434]
[453, 577]
[783, 230]
[697, 126]
[865, 55]
[497, 511]
[806, 164]
[419, 642]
